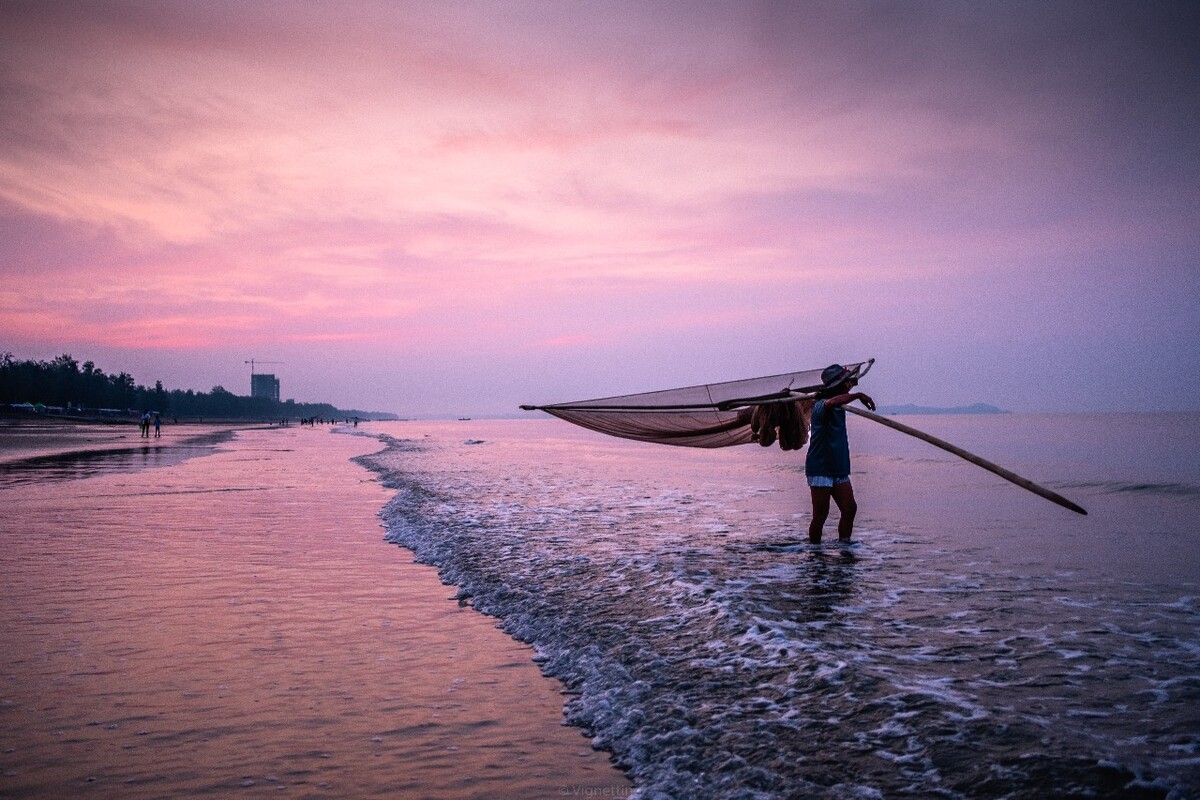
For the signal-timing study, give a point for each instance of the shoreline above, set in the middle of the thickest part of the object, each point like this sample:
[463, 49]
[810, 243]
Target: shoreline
[28, 438]
[237, 620]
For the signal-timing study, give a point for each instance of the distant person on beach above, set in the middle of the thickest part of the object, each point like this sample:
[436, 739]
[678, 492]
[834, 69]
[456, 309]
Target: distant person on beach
[157, 426]
[827, 464]
[146, 425]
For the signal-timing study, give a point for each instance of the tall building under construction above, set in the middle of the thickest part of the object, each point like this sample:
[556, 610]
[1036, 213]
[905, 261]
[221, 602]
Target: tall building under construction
[264, 386]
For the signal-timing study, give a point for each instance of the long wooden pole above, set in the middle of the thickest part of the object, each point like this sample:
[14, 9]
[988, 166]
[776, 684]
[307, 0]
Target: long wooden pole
[1008, 475]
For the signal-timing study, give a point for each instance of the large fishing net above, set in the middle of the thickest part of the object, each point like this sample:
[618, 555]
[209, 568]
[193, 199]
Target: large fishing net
[763, 410]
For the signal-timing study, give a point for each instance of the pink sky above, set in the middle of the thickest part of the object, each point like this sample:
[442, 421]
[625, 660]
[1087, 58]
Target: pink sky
[453, 208]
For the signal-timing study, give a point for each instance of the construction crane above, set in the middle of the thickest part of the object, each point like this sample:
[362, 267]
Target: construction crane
[252, 362]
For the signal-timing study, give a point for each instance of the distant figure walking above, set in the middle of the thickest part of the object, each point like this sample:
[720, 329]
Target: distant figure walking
[827, 464]
[146, 425]
[157, 426]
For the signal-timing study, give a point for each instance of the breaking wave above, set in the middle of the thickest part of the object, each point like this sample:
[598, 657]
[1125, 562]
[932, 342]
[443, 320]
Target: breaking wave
[715, 656]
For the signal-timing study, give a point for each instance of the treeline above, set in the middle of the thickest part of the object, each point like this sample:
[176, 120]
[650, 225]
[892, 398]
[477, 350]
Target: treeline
[66, 386]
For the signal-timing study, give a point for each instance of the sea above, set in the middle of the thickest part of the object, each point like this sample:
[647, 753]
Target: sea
[975, 640]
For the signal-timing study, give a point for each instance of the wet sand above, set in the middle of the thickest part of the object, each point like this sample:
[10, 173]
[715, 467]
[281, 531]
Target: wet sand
[26, 438]
[235, 623]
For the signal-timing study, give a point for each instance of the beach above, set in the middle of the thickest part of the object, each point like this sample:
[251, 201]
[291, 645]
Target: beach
[413, 609]
[27, 438]
[228, 619]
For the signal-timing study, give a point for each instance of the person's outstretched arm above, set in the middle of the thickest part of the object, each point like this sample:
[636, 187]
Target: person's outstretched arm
[850, 397]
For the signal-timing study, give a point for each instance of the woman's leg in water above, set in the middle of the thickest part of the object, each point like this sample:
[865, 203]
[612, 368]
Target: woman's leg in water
[820, 504]
[843, 495]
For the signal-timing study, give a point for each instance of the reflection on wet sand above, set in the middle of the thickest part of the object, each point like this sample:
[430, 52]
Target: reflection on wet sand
[235, 623]
[86, 463]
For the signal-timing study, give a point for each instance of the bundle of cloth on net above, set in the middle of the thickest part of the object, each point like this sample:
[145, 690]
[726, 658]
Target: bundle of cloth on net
[786, 422]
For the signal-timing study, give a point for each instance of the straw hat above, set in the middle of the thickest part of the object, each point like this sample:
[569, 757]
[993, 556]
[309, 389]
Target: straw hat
[834, 374]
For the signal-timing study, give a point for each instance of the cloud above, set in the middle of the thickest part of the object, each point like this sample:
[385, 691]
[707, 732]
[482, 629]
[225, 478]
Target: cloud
[500, 181]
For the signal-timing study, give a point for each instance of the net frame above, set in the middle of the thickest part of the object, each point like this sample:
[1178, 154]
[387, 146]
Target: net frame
[706, 415]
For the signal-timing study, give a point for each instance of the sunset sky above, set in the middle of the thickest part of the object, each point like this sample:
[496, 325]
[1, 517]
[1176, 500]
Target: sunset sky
[455, 207]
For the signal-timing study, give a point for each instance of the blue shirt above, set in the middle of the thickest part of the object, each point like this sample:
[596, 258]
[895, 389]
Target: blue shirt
[828, 446]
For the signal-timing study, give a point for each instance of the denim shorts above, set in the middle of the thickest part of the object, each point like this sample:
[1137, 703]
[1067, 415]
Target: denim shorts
[826, 482]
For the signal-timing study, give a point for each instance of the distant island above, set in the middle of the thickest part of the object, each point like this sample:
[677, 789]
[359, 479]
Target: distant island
[66, 387]
[975, 408]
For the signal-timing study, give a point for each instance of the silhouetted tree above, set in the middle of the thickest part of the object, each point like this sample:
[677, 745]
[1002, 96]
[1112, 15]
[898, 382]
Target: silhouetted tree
[64, 381]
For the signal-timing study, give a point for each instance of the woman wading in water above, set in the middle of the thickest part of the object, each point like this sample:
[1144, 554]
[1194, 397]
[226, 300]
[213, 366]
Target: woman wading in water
[827, 464]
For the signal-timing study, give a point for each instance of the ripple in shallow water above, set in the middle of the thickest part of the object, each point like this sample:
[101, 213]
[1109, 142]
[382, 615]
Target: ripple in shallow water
[716, 656]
